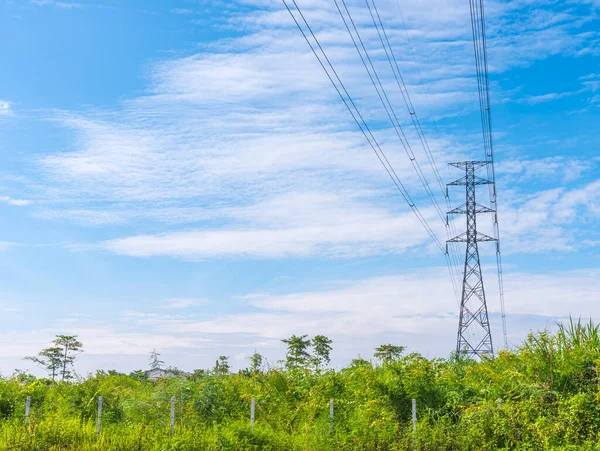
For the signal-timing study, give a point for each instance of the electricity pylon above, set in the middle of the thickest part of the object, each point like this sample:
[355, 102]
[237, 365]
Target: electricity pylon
[474, 336]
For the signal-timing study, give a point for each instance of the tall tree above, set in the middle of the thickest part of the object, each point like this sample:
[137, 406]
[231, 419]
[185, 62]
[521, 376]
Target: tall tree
[50, 359]
[70, 346]
[388, 353]
[222, 365]
[256, 362]
[155, 362]
[322, 349]
[297, 351]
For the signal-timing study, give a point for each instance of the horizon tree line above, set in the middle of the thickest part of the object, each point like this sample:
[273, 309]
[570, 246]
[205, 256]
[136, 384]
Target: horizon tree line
[302, 353]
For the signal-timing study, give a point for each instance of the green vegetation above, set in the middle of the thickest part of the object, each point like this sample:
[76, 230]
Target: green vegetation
[549, 388]
[59, 358]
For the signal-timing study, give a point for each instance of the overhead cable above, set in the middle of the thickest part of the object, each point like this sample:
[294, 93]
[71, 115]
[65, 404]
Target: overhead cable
[383, 37]
[358, 118]
[385, 101]
[483, 87]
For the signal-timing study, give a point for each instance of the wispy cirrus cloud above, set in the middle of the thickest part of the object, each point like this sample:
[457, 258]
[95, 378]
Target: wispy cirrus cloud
[301, 226]
[181, 303]
[252, 124]
[182, 11]
[56, 3]
[551, 220]
[543, 98]
[293, 225]
[549, 168]
[591, 81]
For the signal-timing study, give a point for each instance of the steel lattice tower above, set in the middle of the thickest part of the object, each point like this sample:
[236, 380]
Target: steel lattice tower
[473, 308]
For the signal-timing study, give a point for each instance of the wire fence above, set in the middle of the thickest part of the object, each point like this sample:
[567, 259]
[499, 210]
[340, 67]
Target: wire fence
[252, 414]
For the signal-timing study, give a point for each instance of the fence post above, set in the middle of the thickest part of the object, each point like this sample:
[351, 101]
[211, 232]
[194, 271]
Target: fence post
[252, 405]
[500, 403]
[172, 415]
[331, 415]
[414, 423]
[99, 425]
[27, 406]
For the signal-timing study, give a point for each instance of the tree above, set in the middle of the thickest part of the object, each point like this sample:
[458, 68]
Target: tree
[139, 375]
[297, 352]
[69, 345]
[256, 362]
[23, 376]
[222, 365]
[115, 373]
[155, 362]
[174, 371]
[198, 374]
[388, 353]
[322, 349]
[358, 362]
[50, 359]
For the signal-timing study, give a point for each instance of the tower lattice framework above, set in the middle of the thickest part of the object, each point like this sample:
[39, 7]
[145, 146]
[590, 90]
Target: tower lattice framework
[474, 336]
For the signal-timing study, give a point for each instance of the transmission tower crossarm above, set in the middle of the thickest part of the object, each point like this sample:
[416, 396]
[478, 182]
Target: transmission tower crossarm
[462, 210]
[464, 164]
[479, 237]
[476, 180]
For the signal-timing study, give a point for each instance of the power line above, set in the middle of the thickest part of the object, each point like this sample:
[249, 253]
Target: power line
[450, 228]
[383, 97]
[405, 94]
[356, 115]
[483, 87]
[453, 250]
[415, 120]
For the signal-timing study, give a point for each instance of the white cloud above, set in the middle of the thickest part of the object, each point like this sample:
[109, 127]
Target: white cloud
[4, 245]
[298, 225]
[57, 4]
[584, 202]
[255, 115]
[182, 11]
[547, 169]
[414, 308]
[247, 144]
[406, 302]
[15, 202]
[544, 221]
[5, 108]
[534, 100]
[591, 82]
[310, 224]
[97, 339]
[181, 303]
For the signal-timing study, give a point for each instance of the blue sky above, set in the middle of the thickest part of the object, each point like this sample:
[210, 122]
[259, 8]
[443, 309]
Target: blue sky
[181, 175]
